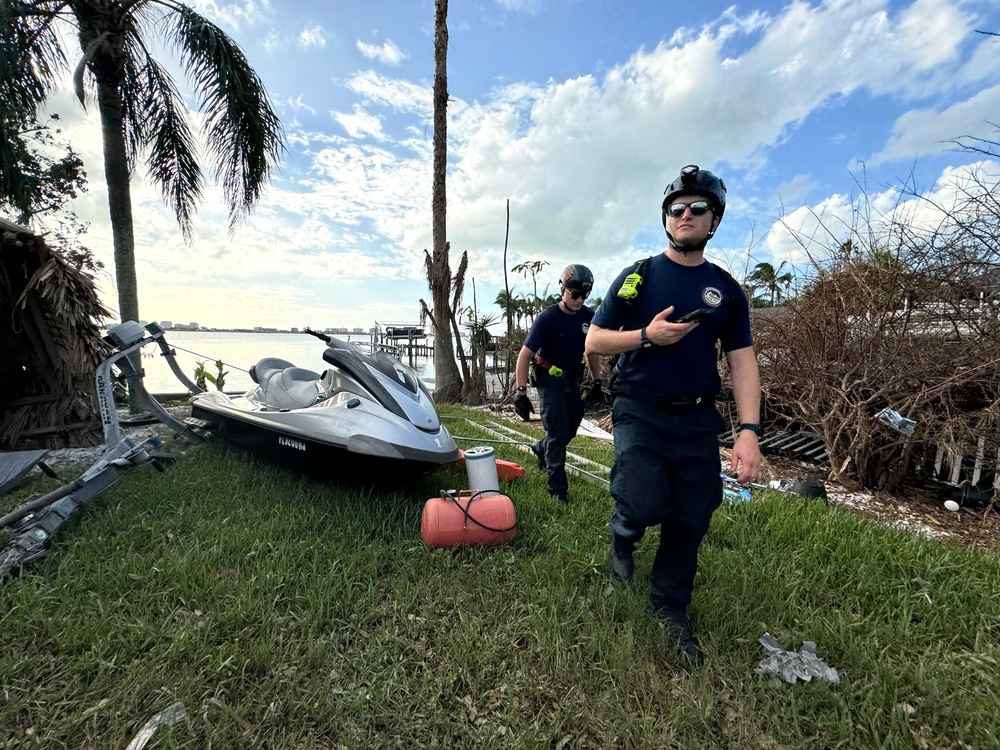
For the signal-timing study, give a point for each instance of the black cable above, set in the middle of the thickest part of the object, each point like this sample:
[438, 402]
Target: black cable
[207, 357]
[445, 495]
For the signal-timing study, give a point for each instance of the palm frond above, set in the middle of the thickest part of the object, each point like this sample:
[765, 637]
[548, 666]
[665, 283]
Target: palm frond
[134, 61]
[30, 55]
[159, 124]
[244, 132]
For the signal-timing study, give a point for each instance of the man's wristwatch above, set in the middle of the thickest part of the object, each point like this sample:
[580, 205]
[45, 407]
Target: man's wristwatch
[646, 343]
[522, 389]
[754, 427]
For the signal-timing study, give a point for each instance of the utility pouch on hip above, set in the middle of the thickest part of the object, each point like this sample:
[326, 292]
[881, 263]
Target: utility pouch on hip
[550, 369]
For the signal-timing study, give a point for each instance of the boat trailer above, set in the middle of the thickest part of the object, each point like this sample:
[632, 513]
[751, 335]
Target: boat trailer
[32, 524]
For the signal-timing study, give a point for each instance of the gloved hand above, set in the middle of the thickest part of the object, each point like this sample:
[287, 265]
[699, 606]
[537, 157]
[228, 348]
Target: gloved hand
[594, 395]
[523, 407]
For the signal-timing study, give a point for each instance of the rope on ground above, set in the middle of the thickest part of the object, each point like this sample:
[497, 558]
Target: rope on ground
[570, 468]
[570, 454]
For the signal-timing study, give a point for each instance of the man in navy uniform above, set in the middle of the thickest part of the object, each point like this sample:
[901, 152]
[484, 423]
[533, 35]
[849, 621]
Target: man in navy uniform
[554, 349]
[664, 316]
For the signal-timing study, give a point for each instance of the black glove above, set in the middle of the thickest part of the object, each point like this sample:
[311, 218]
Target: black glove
[523, 407]
[595, 394]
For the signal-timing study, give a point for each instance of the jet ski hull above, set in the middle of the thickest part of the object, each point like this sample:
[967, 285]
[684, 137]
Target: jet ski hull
[359, 443]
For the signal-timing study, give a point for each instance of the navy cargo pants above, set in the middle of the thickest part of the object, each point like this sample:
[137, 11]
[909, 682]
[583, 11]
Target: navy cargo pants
[561, 410]
[667, 473]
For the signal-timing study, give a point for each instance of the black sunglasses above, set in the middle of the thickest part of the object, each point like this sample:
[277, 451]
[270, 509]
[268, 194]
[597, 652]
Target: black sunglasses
[676, 210]
[574, 294]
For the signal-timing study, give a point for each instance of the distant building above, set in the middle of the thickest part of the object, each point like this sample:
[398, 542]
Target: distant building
[295, 330]
[166, 325]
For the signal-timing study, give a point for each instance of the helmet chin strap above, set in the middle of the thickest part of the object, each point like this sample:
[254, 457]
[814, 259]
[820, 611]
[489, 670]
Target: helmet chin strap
[688, 247]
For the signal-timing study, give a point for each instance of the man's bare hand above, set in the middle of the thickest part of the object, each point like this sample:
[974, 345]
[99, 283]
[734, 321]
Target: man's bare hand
[746, 461]
[663, 333]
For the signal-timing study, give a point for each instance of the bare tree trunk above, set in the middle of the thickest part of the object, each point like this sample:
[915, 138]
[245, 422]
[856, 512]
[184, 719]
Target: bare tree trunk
[447, 382]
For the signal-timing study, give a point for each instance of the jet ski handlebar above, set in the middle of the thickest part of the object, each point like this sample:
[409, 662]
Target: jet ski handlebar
[333, 342]
[317, 334]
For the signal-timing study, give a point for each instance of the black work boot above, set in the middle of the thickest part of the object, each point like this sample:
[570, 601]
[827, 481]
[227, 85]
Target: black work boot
[679, 634]
[536, 449]
[620, 560]
[561, 496]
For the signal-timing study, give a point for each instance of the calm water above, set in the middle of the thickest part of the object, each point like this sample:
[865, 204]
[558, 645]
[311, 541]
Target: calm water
[239, 351]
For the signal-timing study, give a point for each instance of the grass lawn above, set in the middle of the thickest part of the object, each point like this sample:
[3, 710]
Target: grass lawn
[288, 613]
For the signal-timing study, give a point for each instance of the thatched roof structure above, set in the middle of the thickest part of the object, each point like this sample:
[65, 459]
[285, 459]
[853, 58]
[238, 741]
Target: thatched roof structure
[51, 344]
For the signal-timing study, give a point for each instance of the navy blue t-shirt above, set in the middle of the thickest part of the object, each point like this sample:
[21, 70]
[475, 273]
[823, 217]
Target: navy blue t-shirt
[559, 337]
[687, 369]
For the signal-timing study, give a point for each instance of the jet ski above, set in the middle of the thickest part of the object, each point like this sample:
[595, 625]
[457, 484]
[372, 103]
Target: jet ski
[367, 417]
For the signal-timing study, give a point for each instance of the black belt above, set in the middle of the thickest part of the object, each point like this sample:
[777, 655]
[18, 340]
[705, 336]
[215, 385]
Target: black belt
[663, 403]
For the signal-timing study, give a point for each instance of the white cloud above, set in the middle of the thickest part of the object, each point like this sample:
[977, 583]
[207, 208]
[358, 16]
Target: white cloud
[807, 234]
[238, 15]
[923, 131]
[297, 105]
[272, 42]
[525, 6]
[397, 94]
[387, 53]
[312, 37]
[360, 124]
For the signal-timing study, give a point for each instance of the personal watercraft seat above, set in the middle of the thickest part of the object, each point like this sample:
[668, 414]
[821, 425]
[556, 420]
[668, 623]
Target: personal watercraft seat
[285, 386]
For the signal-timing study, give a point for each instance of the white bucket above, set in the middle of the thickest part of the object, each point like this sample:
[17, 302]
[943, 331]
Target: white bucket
[481, 467]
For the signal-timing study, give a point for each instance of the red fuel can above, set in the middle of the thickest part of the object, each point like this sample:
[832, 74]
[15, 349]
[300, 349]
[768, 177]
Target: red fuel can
[468, 518]
[506, 470]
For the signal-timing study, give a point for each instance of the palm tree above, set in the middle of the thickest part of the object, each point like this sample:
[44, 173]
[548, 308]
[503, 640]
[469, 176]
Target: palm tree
[769, 279]
[141, 109]
[521, 310]
[531, 268]
[505, 301]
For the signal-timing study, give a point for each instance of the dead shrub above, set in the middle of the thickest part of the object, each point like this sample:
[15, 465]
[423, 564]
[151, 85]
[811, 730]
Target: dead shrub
[903, 314]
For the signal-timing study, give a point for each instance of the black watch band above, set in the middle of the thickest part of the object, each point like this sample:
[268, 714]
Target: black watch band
[754, 427]
[644, 339]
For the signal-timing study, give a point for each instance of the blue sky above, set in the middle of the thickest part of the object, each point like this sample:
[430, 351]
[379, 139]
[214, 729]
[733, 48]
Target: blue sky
[578, 112]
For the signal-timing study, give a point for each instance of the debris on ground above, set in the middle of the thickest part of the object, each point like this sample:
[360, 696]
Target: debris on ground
[793, 666]
[167, 717]
[896, 421]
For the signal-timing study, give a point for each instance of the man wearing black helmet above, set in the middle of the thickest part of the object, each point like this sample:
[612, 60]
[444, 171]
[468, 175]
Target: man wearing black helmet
[554, 350]
[664, 316]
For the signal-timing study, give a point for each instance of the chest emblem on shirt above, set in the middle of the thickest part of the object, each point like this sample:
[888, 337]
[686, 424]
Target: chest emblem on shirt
[585, 327]
[711, 296]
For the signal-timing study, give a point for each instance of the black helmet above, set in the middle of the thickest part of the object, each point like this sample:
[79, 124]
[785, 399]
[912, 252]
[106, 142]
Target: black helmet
[696, 181]
[577, 278]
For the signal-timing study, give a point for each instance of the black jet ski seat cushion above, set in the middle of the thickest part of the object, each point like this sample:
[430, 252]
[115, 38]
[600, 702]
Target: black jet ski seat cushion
[285, 386]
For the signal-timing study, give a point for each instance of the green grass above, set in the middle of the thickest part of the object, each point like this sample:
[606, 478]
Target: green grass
[288, 613]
